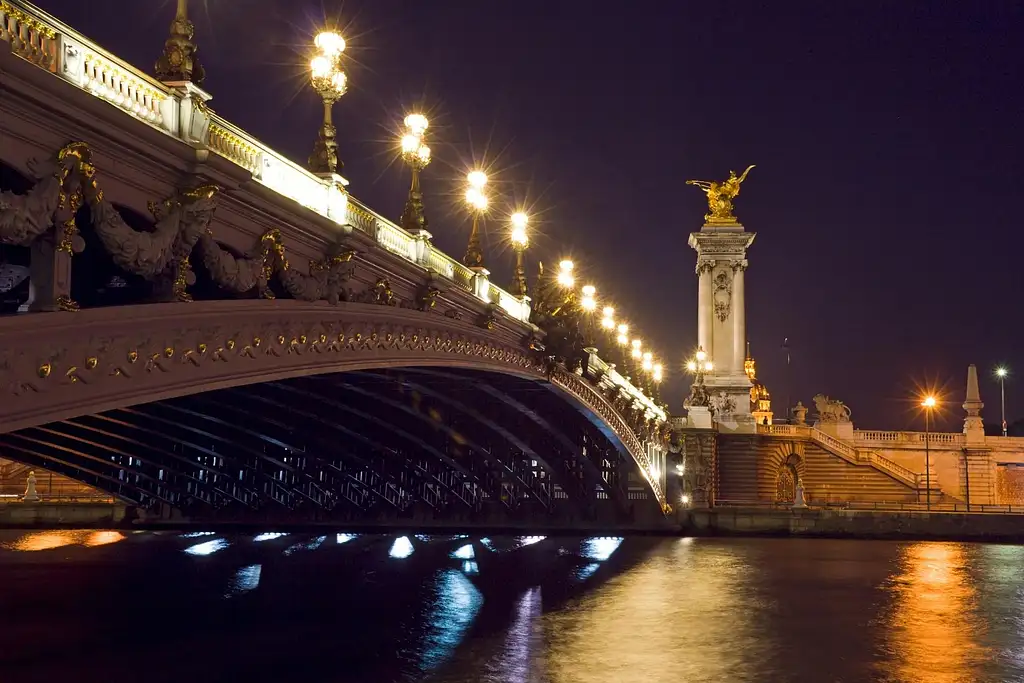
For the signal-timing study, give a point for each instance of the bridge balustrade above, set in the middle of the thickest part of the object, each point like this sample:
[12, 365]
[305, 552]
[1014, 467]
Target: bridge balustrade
[45, 41]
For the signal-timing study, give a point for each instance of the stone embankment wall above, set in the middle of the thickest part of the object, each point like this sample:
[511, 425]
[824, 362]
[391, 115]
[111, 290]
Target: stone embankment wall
[854, 524]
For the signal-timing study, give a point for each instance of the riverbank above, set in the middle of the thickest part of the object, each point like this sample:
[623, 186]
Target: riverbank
[739, 522]
[866, 524]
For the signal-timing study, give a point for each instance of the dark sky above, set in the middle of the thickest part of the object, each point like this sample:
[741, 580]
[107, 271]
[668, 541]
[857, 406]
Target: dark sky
[887, 196]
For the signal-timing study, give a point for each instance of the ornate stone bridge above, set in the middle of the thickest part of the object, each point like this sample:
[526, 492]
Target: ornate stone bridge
[198, 325]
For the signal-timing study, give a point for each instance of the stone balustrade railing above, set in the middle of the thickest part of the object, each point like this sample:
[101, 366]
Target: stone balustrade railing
[883, 438]
[180, 112]
[611, 376]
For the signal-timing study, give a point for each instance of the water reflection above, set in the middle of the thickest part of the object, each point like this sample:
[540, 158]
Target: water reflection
[50, 540]
[454, 607]
[568, 610]
[935, 629]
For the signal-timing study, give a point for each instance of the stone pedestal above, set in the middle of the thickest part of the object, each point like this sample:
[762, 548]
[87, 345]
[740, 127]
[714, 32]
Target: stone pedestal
[978, 476]
[721, 316]
[699, 418]
[840, 430]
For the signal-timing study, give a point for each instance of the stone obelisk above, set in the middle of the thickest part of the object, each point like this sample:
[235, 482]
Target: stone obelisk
[721, 246]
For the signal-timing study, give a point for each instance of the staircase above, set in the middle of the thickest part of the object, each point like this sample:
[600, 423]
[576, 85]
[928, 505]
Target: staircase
[854, 456]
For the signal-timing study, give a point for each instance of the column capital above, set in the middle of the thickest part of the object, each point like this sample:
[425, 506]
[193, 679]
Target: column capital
[705, 266]
[738, 265]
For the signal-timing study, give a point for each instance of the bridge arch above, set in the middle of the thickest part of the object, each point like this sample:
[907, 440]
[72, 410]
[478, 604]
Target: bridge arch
[96, 395]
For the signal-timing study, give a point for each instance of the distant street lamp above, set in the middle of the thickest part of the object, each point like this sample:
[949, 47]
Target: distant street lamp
[477, 201]
[928, 404]
[330, 82]
[417, 156]
[520, 241]
[565, 277]
[1001, 374]
[178, 63]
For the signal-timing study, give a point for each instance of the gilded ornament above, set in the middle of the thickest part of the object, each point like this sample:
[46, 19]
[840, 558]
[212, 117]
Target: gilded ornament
[201, 348]
[256, 341]
[91, 362]
[230, 344]
[44, 370]
[323, 338]
[133, 356]
[302, 339]
[720, 196]
[280, 339]
[71, 374]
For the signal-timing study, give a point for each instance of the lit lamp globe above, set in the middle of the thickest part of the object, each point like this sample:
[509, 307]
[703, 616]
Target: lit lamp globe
[623, 337]
[565, 277]
[658, 372]
[608, 318]
[588, 302]
[648, 362]
[520, 240]
[636, 353]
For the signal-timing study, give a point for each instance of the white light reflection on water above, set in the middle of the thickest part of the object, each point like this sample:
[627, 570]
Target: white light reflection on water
[245, 580]
[306, 545]
[464, 553]
[345, 538]
[454, 607]
[197, 534]
[601, 547]
[207, 547]
[401, 548]
[268, 536]
[586, 571]
[470, 568]
[518, 661]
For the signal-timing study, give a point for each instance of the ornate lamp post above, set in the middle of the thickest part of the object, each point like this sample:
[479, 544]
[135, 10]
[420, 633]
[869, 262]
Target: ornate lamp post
[623, 340]
[520, 241]
[657, 374]
[699, 365]
[565, 277]
[1001, 373]
[417, 156]
[477, 201]
[178, 63]
[928, 404]
[330, 82]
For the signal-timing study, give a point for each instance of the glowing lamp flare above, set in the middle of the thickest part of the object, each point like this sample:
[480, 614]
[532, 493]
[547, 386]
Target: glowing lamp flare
[623, 330]
[609, 312]
[607, 323]
[321, 66]
[476, 199]
[658, 372]
[416, 124]
[477, 179]
[410, 144]
[589, 290]
[588, 304]
[929, 402]
[566, 266]
[623, 340]
[1001, 372]
[330, 43]
[692, 366]
[701, 356]
[519, 222]
[424, 154]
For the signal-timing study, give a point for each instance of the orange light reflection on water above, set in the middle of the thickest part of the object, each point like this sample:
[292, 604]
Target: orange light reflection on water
[935, 630]
[50, 540]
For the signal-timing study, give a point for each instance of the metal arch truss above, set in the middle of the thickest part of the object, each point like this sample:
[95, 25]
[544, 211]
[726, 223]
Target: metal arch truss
[451, 445]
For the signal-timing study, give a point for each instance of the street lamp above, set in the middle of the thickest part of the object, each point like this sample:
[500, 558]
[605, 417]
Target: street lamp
[520, 240]
[477, 201]
[928, 404]
[417, 156]
[1001, 374]
[588, 303]
[697, 366]
[565, 277]
[178, 63]
[330, 82]
[608, 318]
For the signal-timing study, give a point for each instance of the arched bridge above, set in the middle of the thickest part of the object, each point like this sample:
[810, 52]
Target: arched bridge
[197, 325]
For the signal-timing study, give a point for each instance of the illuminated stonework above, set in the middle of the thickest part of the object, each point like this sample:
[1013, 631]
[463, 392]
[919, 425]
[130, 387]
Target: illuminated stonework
[760, 398]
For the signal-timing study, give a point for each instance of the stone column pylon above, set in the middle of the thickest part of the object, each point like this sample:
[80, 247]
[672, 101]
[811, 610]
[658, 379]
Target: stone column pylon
[721, 317]
[974, 427]
[705, 305]
[739, 318]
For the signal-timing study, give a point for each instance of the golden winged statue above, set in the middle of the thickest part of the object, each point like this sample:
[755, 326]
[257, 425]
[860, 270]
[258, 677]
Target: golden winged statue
[720, 196]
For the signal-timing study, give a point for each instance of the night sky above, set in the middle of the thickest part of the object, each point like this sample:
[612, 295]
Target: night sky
[887, 196]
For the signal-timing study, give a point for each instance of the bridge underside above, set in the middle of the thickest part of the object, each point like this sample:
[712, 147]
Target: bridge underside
[428, 444]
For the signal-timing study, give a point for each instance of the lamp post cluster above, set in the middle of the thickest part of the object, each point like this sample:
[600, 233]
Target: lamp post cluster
[698, 366]
[570, 315]
[416, 155]
[330, 82]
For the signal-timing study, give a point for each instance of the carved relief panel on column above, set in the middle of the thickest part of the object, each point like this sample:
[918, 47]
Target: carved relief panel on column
[723, 295]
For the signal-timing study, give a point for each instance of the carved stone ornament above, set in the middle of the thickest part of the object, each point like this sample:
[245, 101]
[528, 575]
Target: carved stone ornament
[722, 404]
[723, 295]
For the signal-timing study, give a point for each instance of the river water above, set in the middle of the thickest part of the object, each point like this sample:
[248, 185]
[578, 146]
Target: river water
[146, 606]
